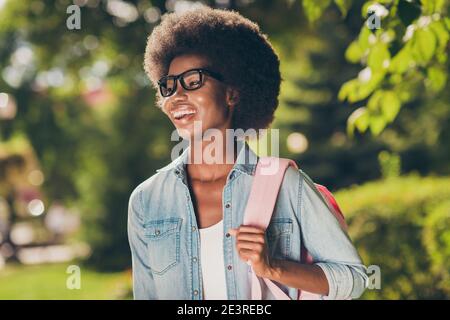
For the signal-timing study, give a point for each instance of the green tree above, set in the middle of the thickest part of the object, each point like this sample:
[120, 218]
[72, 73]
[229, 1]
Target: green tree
[404, 56]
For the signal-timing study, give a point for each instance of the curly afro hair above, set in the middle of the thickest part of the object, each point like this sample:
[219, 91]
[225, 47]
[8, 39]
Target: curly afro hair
[234, 46]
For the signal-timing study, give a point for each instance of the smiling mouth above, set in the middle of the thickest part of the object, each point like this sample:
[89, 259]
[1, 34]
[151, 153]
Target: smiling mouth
[180, 114]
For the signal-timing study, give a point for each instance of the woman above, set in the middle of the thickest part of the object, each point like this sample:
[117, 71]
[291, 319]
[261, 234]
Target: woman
[215, 71]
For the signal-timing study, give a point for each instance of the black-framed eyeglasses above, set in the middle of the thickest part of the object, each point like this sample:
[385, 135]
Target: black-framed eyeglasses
[191, 79]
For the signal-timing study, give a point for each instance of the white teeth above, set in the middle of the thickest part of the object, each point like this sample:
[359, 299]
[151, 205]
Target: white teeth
[181, 113]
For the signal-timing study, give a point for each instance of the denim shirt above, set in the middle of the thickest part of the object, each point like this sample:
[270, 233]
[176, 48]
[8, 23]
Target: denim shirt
[165, 243]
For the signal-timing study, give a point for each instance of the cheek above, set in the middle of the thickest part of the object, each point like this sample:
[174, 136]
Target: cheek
[212, 104]
[164, 106]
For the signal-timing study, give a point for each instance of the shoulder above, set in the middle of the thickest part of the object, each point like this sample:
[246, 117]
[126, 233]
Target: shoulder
[150, 186]
[161, 178]
[294, 179]
[296, 186]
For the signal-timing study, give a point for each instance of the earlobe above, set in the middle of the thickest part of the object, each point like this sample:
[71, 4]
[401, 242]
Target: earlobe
[232, 97]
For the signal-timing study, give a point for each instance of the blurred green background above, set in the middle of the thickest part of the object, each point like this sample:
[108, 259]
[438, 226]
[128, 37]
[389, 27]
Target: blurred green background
[364, 110]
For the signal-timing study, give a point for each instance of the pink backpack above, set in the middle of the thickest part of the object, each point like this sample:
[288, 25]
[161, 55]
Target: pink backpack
[261, 203]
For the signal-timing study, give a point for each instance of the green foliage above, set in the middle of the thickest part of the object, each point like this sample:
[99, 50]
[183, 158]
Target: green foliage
[92, 155]
[314, 8]
[411, 47]
[403, 226]
[390, 164]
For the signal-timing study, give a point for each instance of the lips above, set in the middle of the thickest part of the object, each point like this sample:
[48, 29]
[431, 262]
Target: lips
[179, 114]
[182, 112]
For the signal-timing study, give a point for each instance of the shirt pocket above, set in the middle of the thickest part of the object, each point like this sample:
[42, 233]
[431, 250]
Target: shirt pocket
[163, 244]
[278, 235]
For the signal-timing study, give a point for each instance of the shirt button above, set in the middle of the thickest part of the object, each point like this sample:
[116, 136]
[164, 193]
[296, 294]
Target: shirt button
[157, 232]
[194, 259]
[194, 228]
[177, 171]
[227, 235]
[227, 205]
[230, 267]
[195, 292]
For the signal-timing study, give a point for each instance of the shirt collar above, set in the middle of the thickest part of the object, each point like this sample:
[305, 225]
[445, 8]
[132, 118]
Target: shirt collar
[246, 160]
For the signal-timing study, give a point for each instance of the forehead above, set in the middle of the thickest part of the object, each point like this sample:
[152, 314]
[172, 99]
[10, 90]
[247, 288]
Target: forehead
[185, 62]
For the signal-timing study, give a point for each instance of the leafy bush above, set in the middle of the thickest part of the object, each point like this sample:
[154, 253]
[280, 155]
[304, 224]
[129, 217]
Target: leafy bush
[403, 226]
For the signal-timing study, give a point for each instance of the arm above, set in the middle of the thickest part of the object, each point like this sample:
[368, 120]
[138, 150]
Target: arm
[338, 272]
[329, 245]
[143, 283]
[251, 245]
[308, 277]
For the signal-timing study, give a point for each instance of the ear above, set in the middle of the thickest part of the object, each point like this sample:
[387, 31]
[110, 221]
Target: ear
[232, 97]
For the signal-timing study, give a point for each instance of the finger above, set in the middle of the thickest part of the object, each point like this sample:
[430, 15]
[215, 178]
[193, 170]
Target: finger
[233, 232]
[245, 254]
[250, 229]
[259, 238]
[250, 245]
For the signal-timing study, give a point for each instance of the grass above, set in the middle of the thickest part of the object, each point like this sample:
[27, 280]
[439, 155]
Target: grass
[48, 282]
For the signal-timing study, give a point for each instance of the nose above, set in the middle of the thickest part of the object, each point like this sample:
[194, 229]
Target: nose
[180, 95]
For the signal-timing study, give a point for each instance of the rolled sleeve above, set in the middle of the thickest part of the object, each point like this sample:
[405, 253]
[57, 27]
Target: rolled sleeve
[344, 282]
[329, 245]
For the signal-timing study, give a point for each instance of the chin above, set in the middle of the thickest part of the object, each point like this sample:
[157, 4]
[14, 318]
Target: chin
[187, 133]
[187, 130]
[198, 130]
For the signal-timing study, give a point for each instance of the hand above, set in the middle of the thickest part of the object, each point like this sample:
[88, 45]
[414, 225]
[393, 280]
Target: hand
[252, 248]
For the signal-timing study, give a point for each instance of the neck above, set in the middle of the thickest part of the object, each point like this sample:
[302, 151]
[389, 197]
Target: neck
[210, 160]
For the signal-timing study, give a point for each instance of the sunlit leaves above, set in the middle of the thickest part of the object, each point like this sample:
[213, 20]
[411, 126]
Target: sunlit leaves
[378, 6]
[436, 78]
[402, 61]
[382, 108]
[393, 59]
[359, 89]
[432, 6]
[377, 123]
[389, 104]
[440, 30]
[423, 45]
[354, 52]
[358, 119]
[315, 8]
[379, 56]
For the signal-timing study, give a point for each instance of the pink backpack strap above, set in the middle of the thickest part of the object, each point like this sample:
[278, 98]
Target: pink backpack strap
[264, 192]
[261, 203]
[260, 206]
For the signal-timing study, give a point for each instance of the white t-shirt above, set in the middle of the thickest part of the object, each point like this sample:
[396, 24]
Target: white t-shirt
[212, 262]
